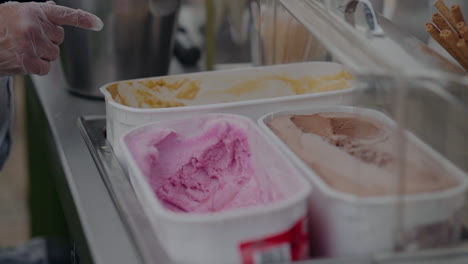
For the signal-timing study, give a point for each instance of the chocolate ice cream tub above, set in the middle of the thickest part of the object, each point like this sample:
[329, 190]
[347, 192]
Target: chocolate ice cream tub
[216, 190]
[366, 200]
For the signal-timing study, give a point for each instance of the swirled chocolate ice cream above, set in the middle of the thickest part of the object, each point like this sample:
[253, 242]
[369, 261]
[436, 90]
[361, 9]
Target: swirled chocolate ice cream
[359, 155]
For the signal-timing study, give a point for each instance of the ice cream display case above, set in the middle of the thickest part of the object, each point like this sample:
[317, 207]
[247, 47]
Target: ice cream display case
[355, 153]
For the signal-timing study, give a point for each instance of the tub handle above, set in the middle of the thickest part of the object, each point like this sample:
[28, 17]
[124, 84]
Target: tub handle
[374, 29]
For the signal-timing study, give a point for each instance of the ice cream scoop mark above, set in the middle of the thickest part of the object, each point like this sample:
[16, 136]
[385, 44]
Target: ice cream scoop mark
[174, 206]
[364, 152]
[214, 177]
[215, 153]
[163, 189]
[242, 180]
[322, 125]
[353, 127]
[173, 182]
[196, 193]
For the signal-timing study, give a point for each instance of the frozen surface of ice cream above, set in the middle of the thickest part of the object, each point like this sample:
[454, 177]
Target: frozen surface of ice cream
[177, 92]
[206, 169]
[358, 155]
[159, 93]
[291, 86]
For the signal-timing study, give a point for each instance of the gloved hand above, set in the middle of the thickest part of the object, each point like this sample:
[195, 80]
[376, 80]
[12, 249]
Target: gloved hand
[30, 34]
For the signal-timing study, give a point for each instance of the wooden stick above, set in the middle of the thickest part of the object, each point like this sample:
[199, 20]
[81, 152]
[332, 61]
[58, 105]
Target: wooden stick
[435, 34]
[449, 37]
[440, 22]
[464, 32]
[457, 13]
[445, 11]
[460, 25]
[463, 47]
[451, 41]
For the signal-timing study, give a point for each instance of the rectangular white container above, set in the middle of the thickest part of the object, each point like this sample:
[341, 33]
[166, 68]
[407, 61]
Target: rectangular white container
[121, 118]
[216, 237]
[349, 225]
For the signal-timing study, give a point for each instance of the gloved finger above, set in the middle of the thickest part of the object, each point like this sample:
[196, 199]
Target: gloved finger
[55, 33]
[35, 65]
[61, 15]
[51, 3]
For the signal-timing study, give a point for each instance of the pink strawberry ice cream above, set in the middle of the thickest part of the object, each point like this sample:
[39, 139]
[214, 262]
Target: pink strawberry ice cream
[208, 168]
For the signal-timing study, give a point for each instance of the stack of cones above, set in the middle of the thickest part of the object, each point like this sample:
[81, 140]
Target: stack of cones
[448, 28]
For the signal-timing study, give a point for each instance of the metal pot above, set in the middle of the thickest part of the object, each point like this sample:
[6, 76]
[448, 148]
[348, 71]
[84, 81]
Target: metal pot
[136, 42]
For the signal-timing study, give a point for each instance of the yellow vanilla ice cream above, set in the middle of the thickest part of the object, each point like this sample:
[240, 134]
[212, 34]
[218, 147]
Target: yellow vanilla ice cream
[177, 92]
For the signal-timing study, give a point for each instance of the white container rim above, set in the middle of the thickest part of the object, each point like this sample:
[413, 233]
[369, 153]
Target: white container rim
[236, 213]
[372, 200]
[112, 102]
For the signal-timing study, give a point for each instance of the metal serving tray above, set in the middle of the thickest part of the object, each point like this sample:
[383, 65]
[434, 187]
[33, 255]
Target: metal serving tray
[121, 191]
[145, 240]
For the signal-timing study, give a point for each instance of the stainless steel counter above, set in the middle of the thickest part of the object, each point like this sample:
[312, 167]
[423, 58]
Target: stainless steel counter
[93, 220]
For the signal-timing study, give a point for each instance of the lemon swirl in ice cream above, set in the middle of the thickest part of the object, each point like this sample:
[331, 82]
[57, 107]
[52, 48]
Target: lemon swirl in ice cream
[178, 92]
[302, 85]
[161, 93]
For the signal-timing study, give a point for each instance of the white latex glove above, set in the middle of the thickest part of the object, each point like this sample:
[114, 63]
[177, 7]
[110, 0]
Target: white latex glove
[30, 34]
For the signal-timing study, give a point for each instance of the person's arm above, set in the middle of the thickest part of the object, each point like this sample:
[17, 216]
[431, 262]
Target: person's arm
[31, 32]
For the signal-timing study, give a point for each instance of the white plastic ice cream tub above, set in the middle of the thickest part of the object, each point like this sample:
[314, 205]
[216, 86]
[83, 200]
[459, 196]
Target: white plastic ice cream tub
[351, 225]
[236, 235]
[273, 96]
